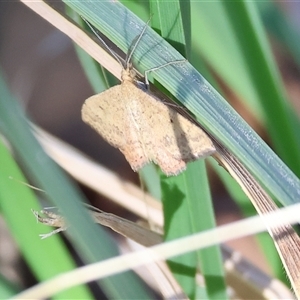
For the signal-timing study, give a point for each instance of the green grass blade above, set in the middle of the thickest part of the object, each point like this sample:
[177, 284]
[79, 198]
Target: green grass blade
[265, 77]
[172, 21]
[89, 240]
[177, 224]
[16, 202]
[231, 37]
[188, 209]
[193, 91]
[7, 289]
[282, 27]
[151, 180]
[181, 198]
[202, 217]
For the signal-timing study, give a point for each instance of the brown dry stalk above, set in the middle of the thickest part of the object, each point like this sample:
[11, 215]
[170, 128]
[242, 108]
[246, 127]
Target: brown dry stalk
[242, 276]
[285, 238]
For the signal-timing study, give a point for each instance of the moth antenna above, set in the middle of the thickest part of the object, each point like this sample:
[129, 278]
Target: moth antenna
[27, 184]
[135, 44]
[102, 41]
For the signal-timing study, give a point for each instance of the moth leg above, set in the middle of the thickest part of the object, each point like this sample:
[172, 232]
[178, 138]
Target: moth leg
[52, 219]
[45, 235]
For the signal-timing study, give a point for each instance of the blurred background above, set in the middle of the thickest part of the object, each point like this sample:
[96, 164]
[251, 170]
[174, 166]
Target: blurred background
[44, 73]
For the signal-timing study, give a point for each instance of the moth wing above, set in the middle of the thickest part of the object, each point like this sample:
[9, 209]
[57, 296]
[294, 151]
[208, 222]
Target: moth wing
[104, 112]
[109, 115]
[170, 139]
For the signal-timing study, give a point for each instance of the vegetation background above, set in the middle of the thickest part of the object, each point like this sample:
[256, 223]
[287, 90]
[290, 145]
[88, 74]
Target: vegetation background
[44, 73]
